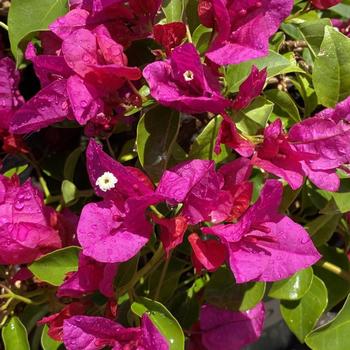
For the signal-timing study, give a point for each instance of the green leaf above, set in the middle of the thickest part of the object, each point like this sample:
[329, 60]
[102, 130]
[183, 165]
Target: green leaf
[53, 267]
[204, 144]
[174, 10]
[223, 292]
[342, 196]
[17, 170]
[313, 32]
[47, 342]
[289, 196]
[302, 315]
[333, 335]
[186, 310]
[304, 86]
[14, 335]
[342, 10]
[128, 151]
[69, 191]
[292, 288]
[163, 320]
[331, 75]
[71, 163]
[284, 104]
[322, 228]
[28, 17]
[276, 64]
[201, 38]
[156, 134]
[254, 118]
[337, 287]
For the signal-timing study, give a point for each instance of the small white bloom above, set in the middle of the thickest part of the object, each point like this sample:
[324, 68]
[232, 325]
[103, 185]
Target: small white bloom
[188, 75]
[107, 181]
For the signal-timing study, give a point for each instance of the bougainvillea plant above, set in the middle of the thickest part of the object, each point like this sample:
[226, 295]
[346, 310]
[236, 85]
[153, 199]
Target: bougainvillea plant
[174, 174]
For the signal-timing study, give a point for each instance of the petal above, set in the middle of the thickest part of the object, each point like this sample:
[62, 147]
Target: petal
[210, 253]
[151, 338]
[222, 329]
[105, 237]
[84, 99]
[66, 25]
[94, 333]
[48, 106]
[272, 256]
[129, 184]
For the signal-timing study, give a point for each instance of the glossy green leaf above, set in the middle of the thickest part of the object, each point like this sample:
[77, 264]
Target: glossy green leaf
[342, 9]
[163, 320]
[337, 287]
[322, 228]
[201, 38]
[254, 118]
[276, 64]
[224, 292]
[331, 75]
[47, 342]
[333, 335]
[69, 191]
[313, 32]
[174, 10]
[157, 131]
[292, 288]
[203, 146]
[14, 335]
[302, 315]
[284, 104]
[71, 163]
[52, 267]
[28, 17]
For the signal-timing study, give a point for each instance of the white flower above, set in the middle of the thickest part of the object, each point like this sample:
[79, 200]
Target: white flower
[107, 181]
[188, 75]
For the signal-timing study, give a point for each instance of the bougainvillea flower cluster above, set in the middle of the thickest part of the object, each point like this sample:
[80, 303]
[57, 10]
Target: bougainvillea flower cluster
[172, 169]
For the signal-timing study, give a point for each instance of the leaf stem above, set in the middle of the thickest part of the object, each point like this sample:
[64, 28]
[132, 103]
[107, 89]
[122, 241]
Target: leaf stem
[156, 258]
[162, 276]
[335, 269]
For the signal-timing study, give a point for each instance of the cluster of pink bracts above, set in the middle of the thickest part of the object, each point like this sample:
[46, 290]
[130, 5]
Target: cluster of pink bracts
[85, 77]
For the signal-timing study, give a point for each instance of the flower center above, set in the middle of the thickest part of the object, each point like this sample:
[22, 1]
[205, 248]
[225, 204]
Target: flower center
[188, 75]
[107, 181]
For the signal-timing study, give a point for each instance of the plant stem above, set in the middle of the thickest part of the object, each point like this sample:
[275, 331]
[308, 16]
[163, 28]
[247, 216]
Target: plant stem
[162, 276]
[335, 269]
[110, 148]
[156, 258]
[188, 34]
[4, 26]
[16, 297]
[42, 181]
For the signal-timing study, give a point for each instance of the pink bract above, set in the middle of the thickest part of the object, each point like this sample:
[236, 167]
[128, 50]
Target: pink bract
[265, 245]
[26, 233]
[94, 333]
[182, 82]
[224, 329]
[244, 28]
